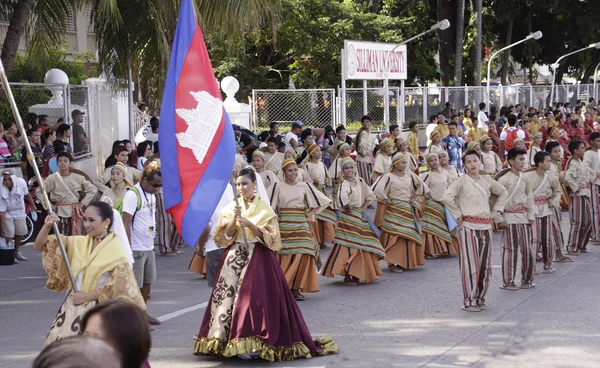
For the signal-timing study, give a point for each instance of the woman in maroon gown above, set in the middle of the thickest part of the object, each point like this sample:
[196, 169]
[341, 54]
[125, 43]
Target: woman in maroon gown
[252, 312]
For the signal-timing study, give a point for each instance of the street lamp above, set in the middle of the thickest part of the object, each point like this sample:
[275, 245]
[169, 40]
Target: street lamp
[536, 36]
[441, 25]
[556, 65]
[596, 81]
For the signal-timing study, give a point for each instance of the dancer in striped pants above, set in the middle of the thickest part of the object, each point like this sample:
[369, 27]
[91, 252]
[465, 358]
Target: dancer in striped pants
[546, 194]
[591, 159]
[467, 199]
[555, 151]
[516, 221]
[577, 178]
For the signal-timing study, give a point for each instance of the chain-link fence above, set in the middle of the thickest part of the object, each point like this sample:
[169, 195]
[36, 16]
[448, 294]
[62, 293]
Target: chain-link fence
[319, 108]
[314, 107]
[78, 107]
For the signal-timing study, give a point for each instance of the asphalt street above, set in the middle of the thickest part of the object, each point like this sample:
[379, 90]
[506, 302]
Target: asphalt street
[412, 319]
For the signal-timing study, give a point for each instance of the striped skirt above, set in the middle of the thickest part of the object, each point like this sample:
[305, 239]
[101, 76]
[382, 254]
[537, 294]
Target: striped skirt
[365, 170]
[356, 251]
[400, 237]
[296, 236]
[380, 213]
[435, 237]
[324, 228]
[298, 252]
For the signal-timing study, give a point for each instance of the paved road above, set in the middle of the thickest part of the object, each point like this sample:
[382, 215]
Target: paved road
[411, 319]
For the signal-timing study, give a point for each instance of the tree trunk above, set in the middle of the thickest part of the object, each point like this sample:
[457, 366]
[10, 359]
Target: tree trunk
[506, 54]
[446, 10]
[16, 29]
[458, 47]
[477, 47]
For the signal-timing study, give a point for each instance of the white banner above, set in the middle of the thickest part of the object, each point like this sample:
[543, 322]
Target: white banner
[372, 60]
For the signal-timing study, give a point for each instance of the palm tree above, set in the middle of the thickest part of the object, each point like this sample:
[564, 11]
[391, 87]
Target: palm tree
[458, 48]
[477, 50]
[136, 31]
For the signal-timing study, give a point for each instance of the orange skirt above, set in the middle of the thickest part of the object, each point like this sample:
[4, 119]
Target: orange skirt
[358, 263]
[323, 231]
[198, 264]
[402, 252]
[300, 272]
[380, 214]
[435, 245]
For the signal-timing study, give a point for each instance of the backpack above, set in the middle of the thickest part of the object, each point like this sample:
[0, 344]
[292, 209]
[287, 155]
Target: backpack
[139, 203]
[509, 143]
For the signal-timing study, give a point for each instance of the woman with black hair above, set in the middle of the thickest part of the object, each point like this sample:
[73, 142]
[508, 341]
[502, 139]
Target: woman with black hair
[98, 262]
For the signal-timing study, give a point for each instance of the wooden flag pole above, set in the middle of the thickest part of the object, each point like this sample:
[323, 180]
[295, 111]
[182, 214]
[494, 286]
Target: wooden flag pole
[31, 159]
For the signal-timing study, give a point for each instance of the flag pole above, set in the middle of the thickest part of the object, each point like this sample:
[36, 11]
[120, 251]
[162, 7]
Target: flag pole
[237, 202]
[32, 163]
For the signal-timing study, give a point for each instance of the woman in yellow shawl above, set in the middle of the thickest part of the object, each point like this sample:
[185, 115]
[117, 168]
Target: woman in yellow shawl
[252, 312]
[98, 263]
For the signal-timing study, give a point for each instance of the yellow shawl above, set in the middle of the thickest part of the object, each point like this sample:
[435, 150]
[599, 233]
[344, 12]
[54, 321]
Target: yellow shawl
[257, 211]
[107, 255]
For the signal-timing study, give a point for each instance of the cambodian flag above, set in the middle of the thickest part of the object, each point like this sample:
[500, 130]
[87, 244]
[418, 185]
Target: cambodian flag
[197, 143]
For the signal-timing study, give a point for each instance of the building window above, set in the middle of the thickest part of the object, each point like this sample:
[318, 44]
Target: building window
[6, 11]
[70, 21]
[88, 18]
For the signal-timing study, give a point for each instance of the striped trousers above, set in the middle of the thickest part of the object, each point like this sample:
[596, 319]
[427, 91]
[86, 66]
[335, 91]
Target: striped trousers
[515, 238]
[365, 170]
[544, 239]
[595, 199]
[581, 223]
[475, 261]
[557, 235]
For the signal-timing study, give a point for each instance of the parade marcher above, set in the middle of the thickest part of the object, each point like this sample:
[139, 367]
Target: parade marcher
[139, 217]
[335, 170]
[400, 235]
[268, 177]
[118, 187]
[454, 145]
[536, 141]
[295, 202]
[365, 144]
[69, 193]
[516, 221]
[13, 194]
[467, 199]
[302, 175]
[132, 175]
[555, 151]
[356, 250]
[257, 284]
[383, 160]
[324, 225]
[490, 161]
[452, 171]
[273, 158]
[99, 265]
[340, 137]
[591, 159]
[577, 178]
[412, 140]
[436, 237]
[436, 145]
[413, 165]
[546, 195]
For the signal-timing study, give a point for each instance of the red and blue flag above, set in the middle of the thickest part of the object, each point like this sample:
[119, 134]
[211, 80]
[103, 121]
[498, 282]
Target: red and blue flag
[197, 143]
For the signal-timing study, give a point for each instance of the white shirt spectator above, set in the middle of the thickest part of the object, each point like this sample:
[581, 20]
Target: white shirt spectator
[12, 202]
[152, 137]
[141, 161]
[504, 134]
[428, 130]
[288, 137]
[143, 226]
[483, 119]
